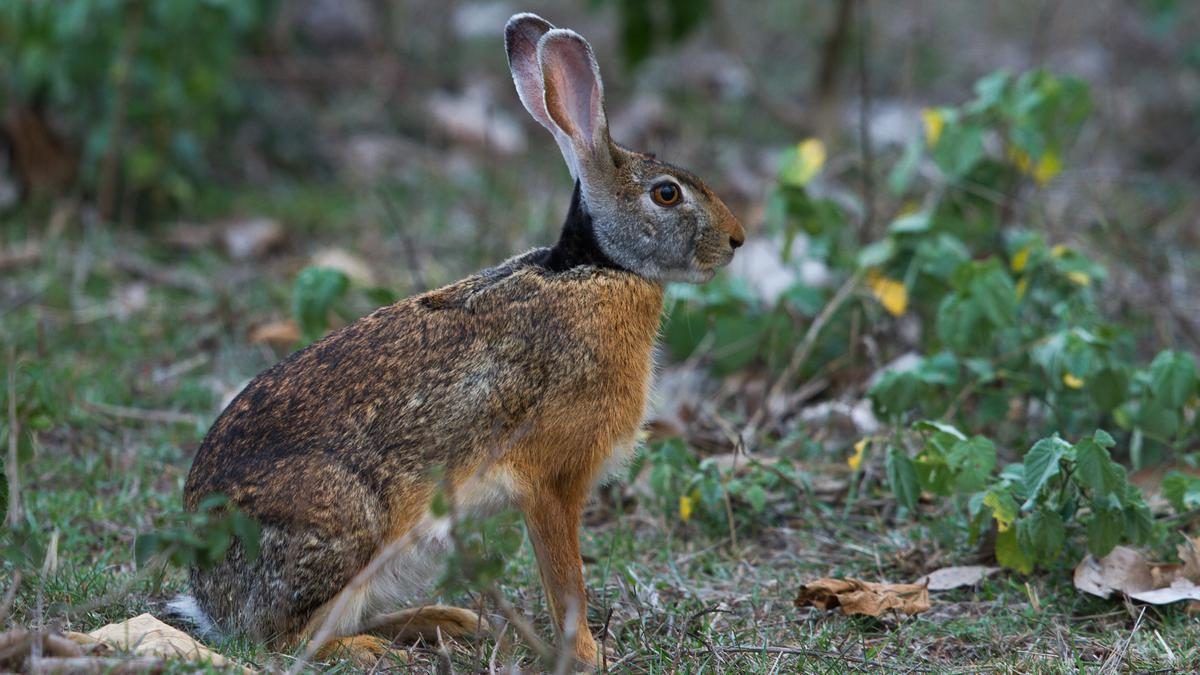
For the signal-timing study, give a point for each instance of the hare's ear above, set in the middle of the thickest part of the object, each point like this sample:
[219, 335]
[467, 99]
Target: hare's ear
[574, 95]
[521, 36]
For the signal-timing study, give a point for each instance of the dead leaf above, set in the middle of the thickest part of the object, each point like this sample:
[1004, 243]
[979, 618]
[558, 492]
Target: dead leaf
[956, 577]
[279, 334]
[868, 598]
[145, 635]
[472, 118]
[1123, 569]
[1127, 571]
[354, 267]
[252, 237]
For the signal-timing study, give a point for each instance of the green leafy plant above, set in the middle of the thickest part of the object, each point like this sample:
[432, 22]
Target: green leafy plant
[1013, 343]
[688, 488]
[156, 78]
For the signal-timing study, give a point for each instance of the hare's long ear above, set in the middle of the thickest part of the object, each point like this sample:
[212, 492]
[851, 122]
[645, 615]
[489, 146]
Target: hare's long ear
[521, 36]
[574, 97]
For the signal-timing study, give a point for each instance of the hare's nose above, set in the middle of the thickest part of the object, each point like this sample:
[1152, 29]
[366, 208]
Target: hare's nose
[735, 242]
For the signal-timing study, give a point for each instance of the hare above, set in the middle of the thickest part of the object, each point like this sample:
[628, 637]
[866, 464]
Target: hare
[518, 387]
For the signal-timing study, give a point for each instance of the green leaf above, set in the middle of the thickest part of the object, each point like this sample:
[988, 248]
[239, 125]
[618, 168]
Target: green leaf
[1109, 388]
[1042, 534]
[959, 149]
[902, 174]
[315, 291]
[993, 290]
[895, 393]
[1182, 491]
[249, 533]
[1042, 463]
[876, 253]
[1173, 378]
[902, 476]
[1095, 469]
[914, 223]
[934, 425]
[756, 496]
[972, 462]
[1104, 530]
[1139, 522]
[145, 546]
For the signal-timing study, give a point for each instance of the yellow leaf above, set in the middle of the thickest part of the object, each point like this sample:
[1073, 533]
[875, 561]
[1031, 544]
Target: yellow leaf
[856, 459]
[686, 504]
[1079, 278]
[809, 158]
[1072, 381]
[1049, 166]
[890, 293]
[1022, 286]
[1020, 259]
[1059, 250]
[1004, 519]
[935, 121]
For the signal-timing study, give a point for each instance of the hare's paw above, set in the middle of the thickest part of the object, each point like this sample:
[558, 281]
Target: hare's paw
[364, 651]
[425, 623]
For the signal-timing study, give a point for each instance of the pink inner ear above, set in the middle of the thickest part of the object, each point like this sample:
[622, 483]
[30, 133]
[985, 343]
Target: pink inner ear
[521, 40]
[573, 95]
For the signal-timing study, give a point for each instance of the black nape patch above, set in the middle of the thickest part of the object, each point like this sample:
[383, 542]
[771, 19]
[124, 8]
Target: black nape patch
[577, 245]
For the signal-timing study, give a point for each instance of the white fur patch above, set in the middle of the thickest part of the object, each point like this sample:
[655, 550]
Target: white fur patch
[186, 607]
[409, 578]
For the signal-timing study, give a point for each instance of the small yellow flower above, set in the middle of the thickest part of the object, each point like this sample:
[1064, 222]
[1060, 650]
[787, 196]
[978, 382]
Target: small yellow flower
[1059, 250]
[1079, 278]
[855, 460]
[1049, 166]
[935, 122]
[686, 504]
[1071, 381]
[1020, 259]
[890, 293]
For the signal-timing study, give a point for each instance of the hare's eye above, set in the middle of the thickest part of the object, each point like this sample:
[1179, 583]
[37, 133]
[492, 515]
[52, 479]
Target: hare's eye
[666, 193]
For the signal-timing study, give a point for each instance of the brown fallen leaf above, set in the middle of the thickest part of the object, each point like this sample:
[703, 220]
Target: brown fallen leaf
[279, 334]
[868, 598]
[144, 635]
[354, 267]
[1127, 571]
[956, 577]
[251, 237]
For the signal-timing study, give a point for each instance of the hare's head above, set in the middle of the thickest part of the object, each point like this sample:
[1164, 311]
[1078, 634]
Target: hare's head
[649, 217]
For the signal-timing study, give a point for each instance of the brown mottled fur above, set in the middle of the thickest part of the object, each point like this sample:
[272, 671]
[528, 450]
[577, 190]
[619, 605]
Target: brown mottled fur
[516, 386]
[332, 448]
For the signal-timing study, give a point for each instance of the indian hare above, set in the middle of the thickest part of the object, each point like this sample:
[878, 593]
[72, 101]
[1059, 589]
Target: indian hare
[518, 387]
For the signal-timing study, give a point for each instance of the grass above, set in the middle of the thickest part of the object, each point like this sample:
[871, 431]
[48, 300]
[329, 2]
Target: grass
[123, 371]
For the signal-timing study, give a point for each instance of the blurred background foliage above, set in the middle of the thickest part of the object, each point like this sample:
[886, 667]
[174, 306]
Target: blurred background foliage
[972, 283]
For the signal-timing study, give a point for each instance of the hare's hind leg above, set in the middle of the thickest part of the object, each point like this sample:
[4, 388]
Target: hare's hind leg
[425, 623]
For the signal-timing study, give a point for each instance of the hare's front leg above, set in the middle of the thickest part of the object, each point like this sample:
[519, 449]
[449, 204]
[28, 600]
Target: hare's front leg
[553, 516]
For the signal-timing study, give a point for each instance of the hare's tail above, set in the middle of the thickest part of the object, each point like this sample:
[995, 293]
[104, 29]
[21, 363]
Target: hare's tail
[185, 608]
